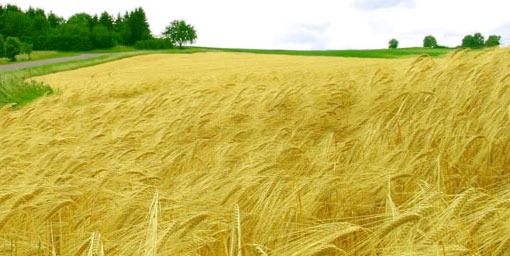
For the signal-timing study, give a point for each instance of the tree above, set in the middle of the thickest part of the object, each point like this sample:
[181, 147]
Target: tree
[81, 19]
[2, 47]
[27, 48]
[180, 33]
[71, 37]
[101, 37]
[429, 42]
[393, 44]
[493, 40]
[54, 21]
[106, 20]
[467, 41]
[12, 48]
[137, 27]
[475, 41]
[16, 24]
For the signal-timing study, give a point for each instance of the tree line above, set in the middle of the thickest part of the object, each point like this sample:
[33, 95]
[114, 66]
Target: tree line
[475, 41]
[82, 31]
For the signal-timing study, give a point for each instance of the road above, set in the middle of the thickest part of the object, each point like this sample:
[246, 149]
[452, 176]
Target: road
[28, 64]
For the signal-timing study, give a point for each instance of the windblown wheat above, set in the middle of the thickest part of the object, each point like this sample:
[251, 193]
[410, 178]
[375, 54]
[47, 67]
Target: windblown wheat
[245, 154]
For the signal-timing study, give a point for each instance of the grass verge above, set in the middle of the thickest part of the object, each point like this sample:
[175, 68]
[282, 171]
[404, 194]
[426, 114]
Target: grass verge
[18, 90]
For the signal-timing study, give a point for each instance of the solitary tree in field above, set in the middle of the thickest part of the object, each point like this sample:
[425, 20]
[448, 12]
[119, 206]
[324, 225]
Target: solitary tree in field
[27, 49]
[12, 48]
[180, 33]
[429, 42]
[393, 43]
[493, 40]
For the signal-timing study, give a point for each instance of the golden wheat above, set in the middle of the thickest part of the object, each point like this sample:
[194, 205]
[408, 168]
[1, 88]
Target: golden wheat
[262, 155]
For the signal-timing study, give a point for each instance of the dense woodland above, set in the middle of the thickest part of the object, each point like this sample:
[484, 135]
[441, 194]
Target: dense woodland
[47, 31]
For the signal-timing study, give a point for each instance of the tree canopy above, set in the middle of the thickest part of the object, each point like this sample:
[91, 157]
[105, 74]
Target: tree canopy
[82, 31]
[429, 42]
[393, 44]
[12, 48]
[179, 33]
[493, 40]
[475, 41]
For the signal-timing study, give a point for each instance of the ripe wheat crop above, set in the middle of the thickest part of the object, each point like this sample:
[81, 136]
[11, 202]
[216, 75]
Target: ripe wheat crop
[245, 154]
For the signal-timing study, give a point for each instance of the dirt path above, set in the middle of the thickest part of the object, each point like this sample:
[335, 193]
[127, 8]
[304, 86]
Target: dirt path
[28, 64]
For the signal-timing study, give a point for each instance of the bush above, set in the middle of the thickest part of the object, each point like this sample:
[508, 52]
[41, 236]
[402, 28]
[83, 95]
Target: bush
[154, 44]
[12, 48]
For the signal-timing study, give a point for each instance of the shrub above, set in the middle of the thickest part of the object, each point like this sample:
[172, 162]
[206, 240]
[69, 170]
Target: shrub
[12, 48]
[154, 44]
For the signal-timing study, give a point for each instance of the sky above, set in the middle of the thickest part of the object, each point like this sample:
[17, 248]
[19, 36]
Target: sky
[312, 24]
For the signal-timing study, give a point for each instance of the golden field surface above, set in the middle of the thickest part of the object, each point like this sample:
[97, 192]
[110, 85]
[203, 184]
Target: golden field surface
[245, 154]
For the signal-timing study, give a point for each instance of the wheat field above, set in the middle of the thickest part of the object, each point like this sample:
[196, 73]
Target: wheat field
[246, 154]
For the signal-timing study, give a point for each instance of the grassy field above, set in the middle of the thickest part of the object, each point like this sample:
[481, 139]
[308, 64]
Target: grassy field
[247, 154]
[377, 53]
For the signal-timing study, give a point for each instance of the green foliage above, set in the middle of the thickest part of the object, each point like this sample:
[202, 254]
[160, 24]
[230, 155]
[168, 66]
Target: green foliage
[180, 33]
[54, 21]
[19, 92]
[81, 19]
[106, 20]
[12, 48]
[71, 37]
[493, 40]
[51, 32]
[27, 49]
[393, 44]
[136, 26]
[15, 24]
[475, 41]
[102, 37]
[2, 47]
[430, 42]
[154, 44]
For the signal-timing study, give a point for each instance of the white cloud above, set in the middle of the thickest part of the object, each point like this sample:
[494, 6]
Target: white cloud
[309, 36]
[378, 4]
[354, 24]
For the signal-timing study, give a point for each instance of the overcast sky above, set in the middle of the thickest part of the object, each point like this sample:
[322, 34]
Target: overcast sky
[312, 24]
